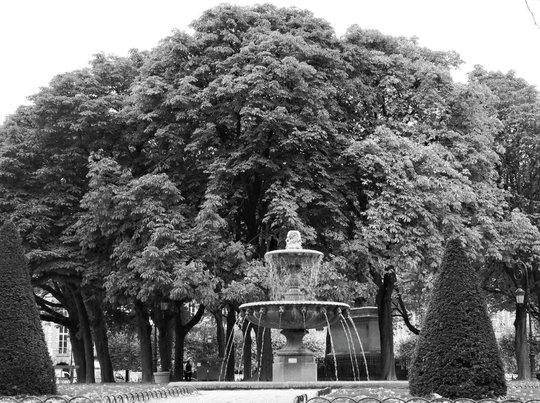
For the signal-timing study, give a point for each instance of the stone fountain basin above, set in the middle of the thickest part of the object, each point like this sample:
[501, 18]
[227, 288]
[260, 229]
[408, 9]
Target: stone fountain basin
[294, 314]
[294, 256]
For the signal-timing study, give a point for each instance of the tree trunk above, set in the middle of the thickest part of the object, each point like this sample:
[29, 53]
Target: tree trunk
[520, 343]
[77, 349]
[86, 335]
[181, 328]
[385, 284]
[145, 337]
[220, 333]
[67, 299]
[247, 349]
[179, 339]
[165, 325]
[97, 323]
[230, 348]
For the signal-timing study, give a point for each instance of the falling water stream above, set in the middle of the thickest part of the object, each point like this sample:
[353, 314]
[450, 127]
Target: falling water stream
[361, 346]
[261, 354]
[228, 351]
[248, 329]
[352, 350]
[351, 347]
[259, 357]
[331, 343]
[346, 323]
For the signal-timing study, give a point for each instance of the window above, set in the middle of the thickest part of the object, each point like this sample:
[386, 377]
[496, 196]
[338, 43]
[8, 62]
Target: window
[63, 339]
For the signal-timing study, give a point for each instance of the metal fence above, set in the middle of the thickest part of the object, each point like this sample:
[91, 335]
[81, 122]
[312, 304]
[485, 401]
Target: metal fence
[345, 399]
[131, 397]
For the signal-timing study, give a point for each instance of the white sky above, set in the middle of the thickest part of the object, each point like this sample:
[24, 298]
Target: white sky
[42, 38]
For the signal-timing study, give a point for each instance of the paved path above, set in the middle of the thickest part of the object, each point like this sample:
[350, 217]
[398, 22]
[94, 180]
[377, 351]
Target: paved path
[209, 385]
[264, 392]
[243, 396]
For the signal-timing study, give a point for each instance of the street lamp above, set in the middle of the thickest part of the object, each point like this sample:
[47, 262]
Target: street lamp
[154, 355]
[520, 296]
[520, 300]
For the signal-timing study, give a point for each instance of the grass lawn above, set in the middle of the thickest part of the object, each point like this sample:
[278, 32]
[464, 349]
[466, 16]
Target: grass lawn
[524, 391]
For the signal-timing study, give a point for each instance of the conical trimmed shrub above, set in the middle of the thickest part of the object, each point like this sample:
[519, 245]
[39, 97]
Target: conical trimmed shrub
[456, 355]
[25, 365]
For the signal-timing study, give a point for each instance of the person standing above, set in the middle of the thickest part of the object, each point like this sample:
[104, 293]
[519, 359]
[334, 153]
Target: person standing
[188, 371]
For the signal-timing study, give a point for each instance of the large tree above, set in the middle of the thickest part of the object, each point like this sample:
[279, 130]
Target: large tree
[420, 165]
[130, 229]
[44, 149]
[517, 106]
[245, 106]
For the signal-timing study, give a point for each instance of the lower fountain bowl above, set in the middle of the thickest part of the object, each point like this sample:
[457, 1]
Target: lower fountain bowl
[294, 314]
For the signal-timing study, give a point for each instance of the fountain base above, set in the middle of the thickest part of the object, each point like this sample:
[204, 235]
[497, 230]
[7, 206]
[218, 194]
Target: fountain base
[294, 362]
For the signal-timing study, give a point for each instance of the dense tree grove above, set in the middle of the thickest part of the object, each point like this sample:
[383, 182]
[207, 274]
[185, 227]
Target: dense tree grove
[145, 183]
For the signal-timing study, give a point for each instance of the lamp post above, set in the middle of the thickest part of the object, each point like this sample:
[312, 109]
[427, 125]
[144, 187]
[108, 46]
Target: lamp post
[155, 360]
[522, 302]
[522, 356]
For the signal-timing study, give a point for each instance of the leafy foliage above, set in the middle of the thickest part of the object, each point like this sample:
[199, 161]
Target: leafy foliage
[517, 105]
[405, 350]
[508, 352]
[136, 223]
[124, 350]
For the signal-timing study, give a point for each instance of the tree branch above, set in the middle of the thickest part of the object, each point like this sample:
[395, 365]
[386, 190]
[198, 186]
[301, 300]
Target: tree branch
[50, 314]
[532, 14]
[402, 309]
[196, 318]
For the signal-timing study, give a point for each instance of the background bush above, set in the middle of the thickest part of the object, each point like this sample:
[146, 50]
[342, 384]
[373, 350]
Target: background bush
[405, 350]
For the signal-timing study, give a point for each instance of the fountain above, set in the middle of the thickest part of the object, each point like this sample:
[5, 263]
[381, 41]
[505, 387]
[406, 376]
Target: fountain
[294, 273]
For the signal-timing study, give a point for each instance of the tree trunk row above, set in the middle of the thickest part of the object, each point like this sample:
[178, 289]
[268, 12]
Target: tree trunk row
[86, 327]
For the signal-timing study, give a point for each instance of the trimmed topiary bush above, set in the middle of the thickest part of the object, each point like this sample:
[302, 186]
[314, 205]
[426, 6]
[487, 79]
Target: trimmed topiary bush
[456, 354]
[25, 365]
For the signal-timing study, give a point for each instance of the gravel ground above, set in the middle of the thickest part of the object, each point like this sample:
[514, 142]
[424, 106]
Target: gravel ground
[242, 396]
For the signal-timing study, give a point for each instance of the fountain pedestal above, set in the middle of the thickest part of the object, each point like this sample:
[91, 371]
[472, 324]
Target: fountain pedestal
[294, 362]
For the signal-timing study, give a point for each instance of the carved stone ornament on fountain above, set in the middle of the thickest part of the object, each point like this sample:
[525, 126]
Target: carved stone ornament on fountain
[294, 272]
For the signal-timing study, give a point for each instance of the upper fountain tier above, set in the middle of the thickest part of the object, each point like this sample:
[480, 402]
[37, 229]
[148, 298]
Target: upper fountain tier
[293, 271]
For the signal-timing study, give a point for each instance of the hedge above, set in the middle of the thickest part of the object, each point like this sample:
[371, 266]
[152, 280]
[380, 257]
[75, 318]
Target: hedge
[25, 365]
[456, 355]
